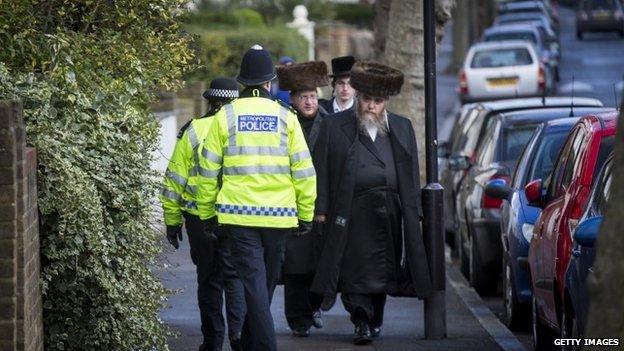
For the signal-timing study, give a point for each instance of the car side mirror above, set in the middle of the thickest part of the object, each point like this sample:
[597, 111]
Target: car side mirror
[459, 163]
[587, 231]
[498, 189]
[443, 149]
[533, 192]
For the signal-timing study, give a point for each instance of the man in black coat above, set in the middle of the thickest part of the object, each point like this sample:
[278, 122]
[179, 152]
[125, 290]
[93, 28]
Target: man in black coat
[302, 308]
[369, 199]
[342, 91]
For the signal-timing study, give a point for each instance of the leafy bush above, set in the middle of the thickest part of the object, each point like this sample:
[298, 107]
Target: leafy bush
[361, 15]
[220, 50]
[86, 72]
[244, 17]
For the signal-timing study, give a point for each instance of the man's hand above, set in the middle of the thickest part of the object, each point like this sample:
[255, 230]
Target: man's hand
[174, 233]
[304, 228]
[210, 225]
[320, 218]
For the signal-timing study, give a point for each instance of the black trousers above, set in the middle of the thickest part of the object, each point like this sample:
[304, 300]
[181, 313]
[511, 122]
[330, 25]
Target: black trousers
[257, 254]
[299, 302]
[215, 275]
[365, 308]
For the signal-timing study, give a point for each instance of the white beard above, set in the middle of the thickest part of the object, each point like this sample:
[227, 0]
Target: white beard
[368, 121]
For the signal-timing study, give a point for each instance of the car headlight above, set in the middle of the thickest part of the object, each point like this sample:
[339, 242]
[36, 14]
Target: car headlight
[527, 231]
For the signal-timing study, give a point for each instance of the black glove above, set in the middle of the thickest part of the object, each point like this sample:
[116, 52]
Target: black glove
[210, 225]
[304, 228]
[174, 233]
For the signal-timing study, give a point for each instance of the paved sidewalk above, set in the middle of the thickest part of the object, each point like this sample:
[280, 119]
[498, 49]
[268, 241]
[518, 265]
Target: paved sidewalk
[403, 328]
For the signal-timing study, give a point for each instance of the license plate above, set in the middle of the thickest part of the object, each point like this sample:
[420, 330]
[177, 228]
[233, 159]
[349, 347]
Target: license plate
[501, 82]
[601, 15]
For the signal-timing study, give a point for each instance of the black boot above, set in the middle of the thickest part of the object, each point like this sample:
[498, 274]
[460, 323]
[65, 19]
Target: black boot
[362, 334]
[301, 331]
[375, 331]
[235, 342]
[317, 321]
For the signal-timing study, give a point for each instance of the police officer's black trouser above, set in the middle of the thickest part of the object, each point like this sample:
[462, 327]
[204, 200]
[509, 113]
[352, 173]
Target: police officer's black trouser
[365, 308]
[300, 303]
[257, 254]
[215, 274]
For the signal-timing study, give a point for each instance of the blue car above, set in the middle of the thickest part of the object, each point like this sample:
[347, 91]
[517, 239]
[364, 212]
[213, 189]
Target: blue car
[518, 218]
[576, 301]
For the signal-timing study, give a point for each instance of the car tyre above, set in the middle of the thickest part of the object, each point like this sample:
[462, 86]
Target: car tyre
[543, 338]
[479, 279]
[516, 315]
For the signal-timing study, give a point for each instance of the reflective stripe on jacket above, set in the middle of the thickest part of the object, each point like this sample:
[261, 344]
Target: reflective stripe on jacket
[268, 176]
[180, 181]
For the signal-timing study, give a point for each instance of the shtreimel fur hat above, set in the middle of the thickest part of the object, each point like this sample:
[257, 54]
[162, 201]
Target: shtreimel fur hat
[303, 76]
[375, 79]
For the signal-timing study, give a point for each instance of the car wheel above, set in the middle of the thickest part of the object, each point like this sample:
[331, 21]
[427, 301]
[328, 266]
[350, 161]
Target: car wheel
[543, 338]
[579, 35]
[479, 279]
[516, 314]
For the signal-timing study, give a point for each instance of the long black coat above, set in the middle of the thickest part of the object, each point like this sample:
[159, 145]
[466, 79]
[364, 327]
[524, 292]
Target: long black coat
[336, 157]
[302, 251]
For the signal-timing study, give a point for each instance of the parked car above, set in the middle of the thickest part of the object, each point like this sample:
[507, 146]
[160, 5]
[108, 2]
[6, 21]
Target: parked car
[518, 218]
[551, 9]
[479, 214]
[526, 17]
[527, 7]
[576, 301]
[528, 32]
[599, 16]
[566, 193]
[499, 70]
[458, 153]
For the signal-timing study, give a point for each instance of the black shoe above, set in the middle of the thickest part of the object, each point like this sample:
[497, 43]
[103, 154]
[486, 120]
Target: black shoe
[317, 321]
[362, 334]
[235, 342]
[328, 302]
[375, 331]
[301, 332]
[202, 347]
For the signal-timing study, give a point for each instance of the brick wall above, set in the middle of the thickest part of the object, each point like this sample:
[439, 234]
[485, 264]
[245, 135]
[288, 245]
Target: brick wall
[21, 322]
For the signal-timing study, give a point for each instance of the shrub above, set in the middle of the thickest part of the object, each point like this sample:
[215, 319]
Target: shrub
[86, 72]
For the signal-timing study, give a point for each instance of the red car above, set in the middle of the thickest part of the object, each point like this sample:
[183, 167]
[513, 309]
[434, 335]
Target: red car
[566, 193]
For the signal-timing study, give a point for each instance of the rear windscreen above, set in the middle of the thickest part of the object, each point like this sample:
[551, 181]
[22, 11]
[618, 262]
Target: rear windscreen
[501, 58]
[528, 36]
[515, 139]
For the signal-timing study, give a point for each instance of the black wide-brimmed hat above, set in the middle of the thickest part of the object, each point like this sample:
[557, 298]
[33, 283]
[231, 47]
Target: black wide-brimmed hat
[256, 67]
[341, 66]
[221, 89]
[303, 76]
[375, 79]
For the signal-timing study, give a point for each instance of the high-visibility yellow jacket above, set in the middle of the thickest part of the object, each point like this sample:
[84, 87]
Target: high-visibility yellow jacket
[268, 176]
[180, 181]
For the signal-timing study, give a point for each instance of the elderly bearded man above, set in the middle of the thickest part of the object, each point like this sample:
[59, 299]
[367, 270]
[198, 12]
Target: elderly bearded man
[302, 308]
[369, 198]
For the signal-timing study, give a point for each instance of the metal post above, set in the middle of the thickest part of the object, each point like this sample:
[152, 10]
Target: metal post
[435, 305]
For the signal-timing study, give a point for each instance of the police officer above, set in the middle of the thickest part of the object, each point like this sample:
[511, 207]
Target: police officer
[301, 306]
[268, 188]
[214, 271]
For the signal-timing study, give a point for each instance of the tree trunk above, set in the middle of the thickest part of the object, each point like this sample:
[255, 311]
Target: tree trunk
[606, 285]
[404, 50]
[380, 26]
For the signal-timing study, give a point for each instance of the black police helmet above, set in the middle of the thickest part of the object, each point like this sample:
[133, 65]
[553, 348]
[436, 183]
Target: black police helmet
[222, 89]
[257, 67]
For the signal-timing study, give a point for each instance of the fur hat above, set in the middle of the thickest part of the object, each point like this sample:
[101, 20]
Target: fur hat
[375, 79]
[303, 76]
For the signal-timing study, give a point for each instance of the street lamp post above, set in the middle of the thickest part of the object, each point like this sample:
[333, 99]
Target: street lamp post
[435, 305]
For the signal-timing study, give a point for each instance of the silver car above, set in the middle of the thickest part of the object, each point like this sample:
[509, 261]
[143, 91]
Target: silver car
[496, 70]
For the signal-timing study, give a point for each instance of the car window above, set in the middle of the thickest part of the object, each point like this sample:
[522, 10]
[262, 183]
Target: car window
[459, 135]
[604, 191]
[572, 163]
[515, 139]
[518, 179]
[553, 182]
[546, 155]
[485, 154]
[501, 58]
[474, 131]
[600, 5]
[606, 146]
[503, 36]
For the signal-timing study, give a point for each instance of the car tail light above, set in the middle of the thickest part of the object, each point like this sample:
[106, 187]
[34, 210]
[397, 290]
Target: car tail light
[463, 82]
[490, 202]
[541, 78]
